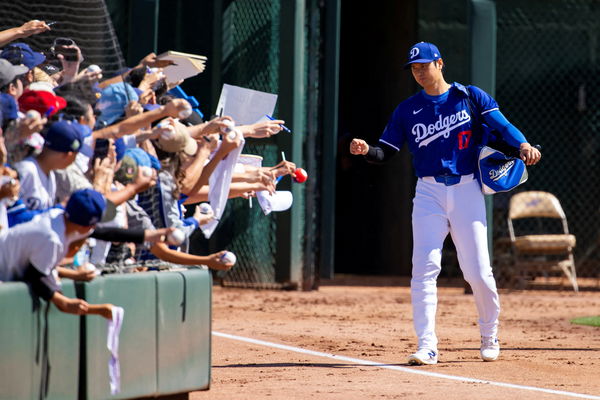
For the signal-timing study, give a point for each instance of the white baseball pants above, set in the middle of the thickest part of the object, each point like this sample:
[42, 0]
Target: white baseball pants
[460, 210]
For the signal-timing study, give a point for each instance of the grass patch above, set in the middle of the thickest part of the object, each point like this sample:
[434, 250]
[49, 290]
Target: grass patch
[591, 321]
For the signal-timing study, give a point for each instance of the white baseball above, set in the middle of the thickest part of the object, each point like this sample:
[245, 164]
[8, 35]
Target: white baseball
[229, 258]
[186, 112]
[91, 267]
[232, 135]
[229, 125]
[147, 171]
[176, 237]
[33, 114]
[94, 68]
[206, 208]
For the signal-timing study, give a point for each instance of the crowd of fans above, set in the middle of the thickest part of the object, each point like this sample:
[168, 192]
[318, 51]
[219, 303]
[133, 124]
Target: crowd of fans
[97, 170]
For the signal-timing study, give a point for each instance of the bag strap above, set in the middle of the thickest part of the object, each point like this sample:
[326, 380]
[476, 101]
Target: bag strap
[476, 118]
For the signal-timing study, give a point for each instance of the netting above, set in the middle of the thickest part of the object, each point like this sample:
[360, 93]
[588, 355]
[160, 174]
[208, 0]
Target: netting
[86, 22]
[548, 85]
[250, 59]
[251, 44]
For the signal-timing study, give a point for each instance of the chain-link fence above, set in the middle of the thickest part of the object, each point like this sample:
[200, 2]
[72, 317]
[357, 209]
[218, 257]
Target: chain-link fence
[548, 86]
[249, 233]
[86, 22]
[250, 48]
[251, 40]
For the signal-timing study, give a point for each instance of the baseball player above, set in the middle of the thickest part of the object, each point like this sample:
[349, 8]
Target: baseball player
[442, 126]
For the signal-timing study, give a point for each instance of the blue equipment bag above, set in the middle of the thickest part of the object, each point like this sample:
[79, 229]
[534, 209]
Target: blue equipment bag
[498, 172]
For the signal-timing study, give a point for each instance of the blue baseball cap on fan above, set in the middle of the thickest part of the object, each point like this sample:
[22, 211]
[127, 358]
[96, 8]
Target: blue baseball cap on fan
[21, 53]
[113, 100]
[9, 107]
[87, 207]
[64, 136]
[423, 52]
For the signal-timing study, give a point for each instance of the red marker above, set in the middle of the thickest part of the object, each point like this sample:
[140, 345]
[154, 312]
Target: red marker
[300, 175]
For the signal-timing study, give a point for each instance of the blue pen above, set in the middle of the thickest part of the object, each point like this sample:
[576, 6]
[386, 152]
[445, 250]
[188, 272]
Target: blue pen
[285, 128]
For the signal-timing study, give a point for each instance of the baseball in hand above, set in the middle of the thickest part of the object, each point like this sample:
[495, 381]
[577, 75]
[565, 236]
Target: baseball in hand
[205, 208]
[300, 175]
[232, 135]
[228, 258]
[92, 267]
[229, 129]
[186, 112]
[33, 114]
[93, 68]
[147, 171]
[176, 237]
[228, 125]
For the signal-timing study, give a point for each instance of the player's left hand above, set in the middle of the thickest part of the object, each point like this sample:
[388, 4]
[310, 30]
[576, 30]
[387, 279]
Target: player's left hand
[529, 154]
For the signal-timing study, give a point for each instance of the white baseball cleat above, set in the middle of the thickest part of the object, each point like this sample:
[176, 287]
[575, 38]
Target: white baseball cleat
[490, 348]
[423, 357]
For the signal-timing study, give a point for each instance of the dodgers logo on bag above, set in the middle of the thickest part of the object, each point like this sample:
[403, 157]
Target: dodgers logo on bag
[498, 172]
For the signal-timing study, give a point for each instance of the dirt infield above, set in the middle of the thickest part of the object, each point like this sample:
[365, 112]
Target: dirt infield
[369, 319]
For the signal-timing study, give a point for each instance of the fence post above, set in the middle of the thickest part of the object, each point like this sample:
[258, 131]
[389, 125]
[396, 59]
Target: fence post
[290, 225]
[330, 135]
[483, 68]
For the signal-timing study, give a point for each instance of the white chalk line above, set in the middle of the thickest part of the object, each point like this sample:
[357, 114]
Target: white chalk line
[402, 369]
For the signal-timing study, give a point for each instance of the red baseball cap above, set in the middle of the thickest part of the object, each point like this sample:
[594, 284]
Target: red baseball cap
[44, 102]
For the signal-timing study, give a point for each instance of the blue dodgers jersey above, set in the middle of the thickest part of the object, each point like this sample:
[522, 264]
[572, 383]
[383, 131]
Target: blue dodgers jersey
[439, 130]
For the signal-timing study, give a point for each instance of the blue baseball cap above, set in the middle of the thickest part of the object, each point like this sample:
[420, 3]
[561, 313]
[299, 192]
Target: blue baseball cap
[132, 159]
[64, 136]
[87, 207]
[423, 52]
[8, 104]
[142, 158]
[21, 53]
[113, 100]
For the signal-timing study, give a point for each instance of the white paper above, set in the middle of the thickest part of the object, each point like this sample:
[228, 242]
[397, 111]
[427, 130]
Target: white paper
[245, 106]
[218, 188]
[112, 342]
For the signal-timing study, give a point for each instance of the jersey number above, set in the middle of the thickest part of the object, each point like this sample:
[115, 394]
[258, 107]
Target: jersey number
[464, 138]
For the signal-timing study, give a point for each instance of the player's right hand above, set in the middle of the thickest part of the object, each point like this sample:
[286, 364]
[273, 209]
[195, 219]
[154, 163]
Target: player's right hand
[529, 154]
[359, 147]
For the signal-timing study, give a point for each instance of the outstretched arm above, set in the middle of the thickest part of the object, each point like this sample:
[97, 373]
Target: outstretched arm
[212, 261]
[514, 137]
[132, 124]
[373, 154]
[29, 28]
